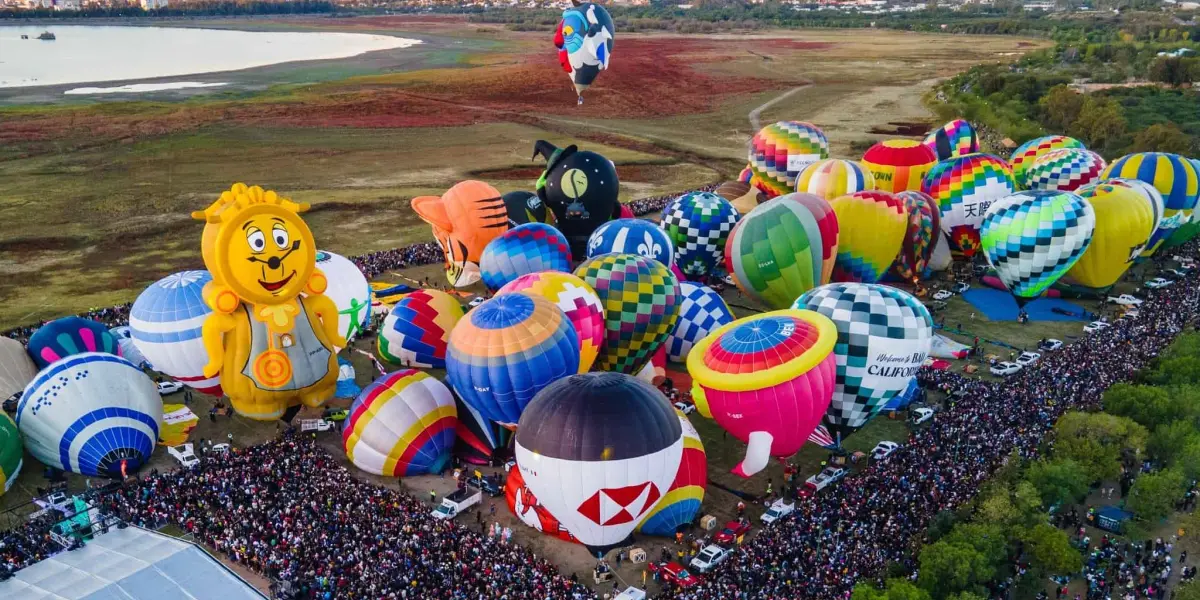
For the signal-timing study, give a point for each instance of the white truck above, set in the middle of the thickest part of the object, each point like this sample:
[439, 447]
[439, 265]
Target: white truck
[1125, 300]
[457, 501]
[779, 509]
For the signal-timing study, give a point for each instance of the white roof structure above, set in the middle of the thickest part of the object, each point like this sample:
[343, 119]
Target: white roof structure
[129, 564]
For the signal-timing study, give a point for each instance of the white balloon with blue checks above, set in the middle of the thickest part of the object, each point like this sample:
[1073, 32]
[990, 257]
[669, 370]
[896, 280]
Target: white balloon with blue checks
[701, 313]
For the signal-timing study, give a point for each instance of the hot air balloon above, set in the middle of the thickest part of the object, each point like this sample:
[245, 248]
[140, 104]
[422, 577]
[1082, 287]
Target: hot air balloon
[416, 332]
[1026, 153]
[401, 425]
[525, 506]
[833, 177]
[584, 39]
[12, 454]
[898, 165]
[827, 223]
[746, 175]
[641, 304]
[698, 224]
[350, 292]
[780, 151]
[506, 350]
[476, 439]
[1033, 238]
[599, 450]
[166, 323]
[954, 139]
[575, 298]
[883, 336]
[1062, 170]
[129, 351]
[632, 236]
[771, 254]
[64, 337]
[1173, 176]
[524, 249]
[464, 220]
[867, 249]
[743, 196]
[16, 368]
[526, 207]
[701, 312]
[964, 188]
[1147, 193]
[93, 413]
[1124, 222]
[920, 236]
[940, 259]
[581, 187]
[766, 379]
[682, 501]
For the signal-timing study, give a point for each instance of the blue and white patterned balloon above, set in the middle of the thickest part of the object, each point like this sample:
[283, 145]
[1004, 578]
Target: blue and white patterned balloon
[166, 323]
[701, 312]
[698, 223]
[1033, 238]
[632, 236]
[524, 249]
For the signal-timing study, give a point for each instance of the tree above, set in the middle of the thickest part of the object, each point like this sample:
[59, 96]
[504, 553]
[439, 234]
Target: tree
[1059, 481]
[1101, 122]
[1150, 406]
[1174, 70]
[1049, 550]
[1097, 442]
[1060, 107]
[897, 589]
[1188, 460]
[988, 540]
[1154, 495]
[951, 568]
[1162, 137]
[941, 524]
[1170, 440]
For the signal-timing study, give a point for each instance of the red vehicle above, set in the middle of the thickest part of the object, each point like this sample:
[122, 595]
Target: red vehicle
[734, 532]
[674, 573]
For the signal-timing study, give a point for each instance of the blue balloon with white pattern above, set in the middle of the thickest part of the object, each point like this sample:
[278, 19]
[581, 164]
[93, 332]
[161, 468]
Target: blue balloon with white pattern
[701, 313]
[524, 249]
[632, 236]
[698, 224]
[68, 336]
[166, 323]
[95, 414]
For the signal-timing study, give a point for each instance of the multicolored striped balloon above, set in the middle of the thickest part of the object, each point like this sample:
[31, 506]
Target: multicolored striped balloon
[641, 304]
[632, 236]
[954, 139]
[772, 254]
[401, 425]
[701, 312]
[166, 322]
[1064, 170]
[834, 177]
[827, 223]
[698, 224]
[1033, 238]
[867, 249]
[577, 299]
[779, 151]
[506, 350]
[416, 332]
[682, 501]
[68, 336]
[1026, 153]
[524, 249]
[12, 453]
[964, 188]
[920, 236]
[899, 165]
[1173, 176]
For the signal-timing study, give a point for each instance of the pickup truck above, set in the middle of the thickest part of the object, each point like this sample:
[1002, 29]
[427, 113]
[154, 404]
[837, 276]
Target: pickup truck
[779, 509]
[1125, 300]
[457, 502]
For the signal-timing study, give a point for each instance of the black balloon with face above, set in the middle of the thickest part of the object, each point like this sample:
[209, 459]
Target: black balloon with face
[581, 187]
[526, 207]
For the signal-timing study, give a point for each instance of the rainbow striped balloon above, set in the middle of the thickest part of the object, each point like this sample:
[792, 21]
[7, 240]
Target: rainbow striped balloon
[69, 336]
[956, 138]
[417, 330]
[964, 188]
[834, 177]
[780, 151]
[1173, 176]
[1028, 152]
[682, 500]
[401, 425]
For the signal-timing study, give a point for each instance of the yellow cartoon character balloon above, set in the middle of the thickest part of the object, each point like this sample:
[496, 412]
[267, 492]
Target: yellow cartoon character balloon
[272, 332]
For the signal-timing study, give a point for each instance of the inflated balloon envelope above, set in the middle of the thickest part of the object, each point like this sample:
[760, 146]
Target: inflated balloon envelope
[464, 220]
[581, 187]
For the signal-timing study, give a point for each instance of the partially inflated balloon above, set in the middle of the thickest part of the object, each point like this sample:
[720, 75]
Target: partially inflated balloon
[416, 332]
[964, 188]
[581, 187]
[701, 312]
[698, 224]
[350, 292]
[575, 298]
[599, 450]
[12, 454]
[956, 138]
[780, 151]
[834, 177]
[1124, 222]
[16, 368]
[1173, 176]
[767, 379]
[920, 236]
[464, 220]
[401, 425]
[506, 350]
[584, 39]
[770, 254]
[1026, 153]
[641, 304]
[166, 323]
[476, 437]
[941, 259]
[867, 247]
[1033, 238]
[681, 504]
[68, 336]
[827, 223]
[898, 165]
[883, 336]
[526, 207]
[632, 236]
[524, 249]
[743, 196]
[1063, 170]
[1153, 199]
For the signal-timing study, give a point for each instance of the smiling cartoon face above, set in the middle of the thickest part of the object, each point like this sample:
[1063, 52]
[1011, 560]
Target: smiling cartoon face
[266, 255]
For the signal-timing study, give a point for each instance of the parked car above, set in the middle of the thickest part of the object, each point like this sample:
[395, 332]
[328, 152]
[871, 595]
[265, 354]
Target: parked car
[733, 533]
[1095, 326]
[883, 450]
[335, 415]
[943, 295]
[685, 408]
[1028, 358]
[922, 414]
[1005, 368]
[1049, 345]
[779, 509]
[166, 388]
[960, 287]
[708, 558]
[184, 454]
[631, 593]
[1158, 283]
[828, 476]
[728, 279]
[674, 573]
[219, 448]
[936, 305]
[492, 485]
[476, 301]
[1125, 300]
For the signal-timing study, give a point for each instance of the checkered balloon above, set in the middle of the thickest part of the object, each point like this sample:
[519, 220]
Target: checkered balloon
[1063, 170]
[701, 312]
[698, 223]
[884, 335]
[1033, 238]
[641, 304]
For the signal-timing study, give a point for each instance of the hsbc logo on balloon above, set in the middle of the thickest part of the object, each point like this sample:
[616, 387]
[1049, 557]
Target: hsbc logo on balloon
[616, 506]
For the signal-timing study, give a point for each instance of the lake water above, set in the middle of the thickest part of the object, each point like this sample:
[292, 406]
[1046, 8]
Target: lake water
[86, 54]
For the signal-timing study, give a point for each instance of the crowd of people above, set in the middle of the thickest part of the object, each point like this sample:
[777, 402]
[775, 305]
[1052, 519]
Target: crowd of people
[25, 545]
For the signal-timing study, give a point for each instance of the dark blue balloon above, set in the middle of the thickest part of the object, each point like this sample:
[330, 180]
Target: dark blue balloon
[632, 236]
[70, 336]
